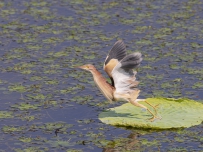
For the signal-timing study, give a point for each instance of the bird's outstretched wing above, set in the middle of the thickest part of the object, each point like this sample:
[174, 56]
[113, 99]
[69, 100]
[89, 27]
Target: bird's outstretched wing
[116, 54]
[123, 74]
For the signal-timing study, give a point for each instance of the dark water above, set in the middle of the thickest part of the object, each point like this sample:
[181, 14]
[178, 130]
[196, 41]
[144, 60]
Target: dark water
[42, 94]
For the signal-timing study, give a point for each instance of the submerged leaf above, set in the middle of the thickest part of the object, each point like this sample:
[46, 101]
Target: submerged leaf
[175, 113]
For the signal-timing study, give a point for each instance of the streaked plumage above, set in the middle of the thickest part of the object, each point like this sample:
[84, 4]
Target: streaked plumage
[119, 68]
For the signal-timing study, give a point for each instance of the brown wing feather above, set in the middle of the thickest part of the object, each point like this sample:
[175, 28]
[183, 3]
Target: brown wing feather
[109, 67]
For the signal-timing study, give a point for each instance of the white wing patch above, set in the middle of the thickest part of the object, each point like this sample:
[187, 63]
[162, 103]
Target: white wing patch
[124, 80]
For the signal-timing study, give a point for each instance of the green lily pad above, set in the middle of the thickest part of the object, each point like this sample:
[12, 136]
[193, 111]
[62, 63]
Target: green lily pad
[175, 113]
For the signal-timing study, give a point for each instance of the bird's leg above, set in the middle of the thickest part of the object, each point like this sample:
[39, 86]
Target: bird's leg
[135, 103]
[153, 116]
[154, 107]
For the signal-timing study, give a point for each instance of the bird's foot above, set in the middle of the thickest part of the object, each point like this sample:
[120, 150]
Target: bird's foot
[154, 107]
[154, 118]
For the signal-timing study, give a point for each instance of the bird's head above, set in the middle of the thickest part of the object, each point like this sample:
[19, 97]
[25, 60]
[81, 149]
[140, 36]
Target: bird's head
[88, 67]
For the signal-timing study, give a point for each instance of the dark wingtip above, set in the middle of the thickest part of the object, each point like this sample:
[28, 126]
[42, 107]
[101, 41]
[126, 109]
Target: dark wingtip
[118, 51]
[119, 41]
[131, 61]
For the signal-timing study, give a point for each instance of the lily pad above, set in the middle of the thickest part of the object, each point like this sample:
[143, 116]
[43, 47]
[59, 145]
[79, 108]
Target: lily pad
[175, 113]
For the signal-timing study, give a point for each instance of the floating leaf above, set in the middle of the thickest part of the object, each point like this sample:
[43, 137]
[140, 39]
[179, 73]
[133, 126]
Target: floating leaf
[60, 143]
[175, 113]
[9, 129]
[17, 88]
[6, 114]
[25, 140]
[25, 106]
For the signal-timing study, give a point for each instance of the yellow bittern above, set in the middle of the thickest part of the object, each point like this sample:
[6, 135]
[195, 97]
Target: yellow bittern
[119, 66]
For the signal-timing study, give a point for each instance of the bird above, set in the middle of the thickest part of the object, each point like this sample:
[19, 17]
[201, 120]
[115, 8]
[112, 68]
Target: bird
[120, 68]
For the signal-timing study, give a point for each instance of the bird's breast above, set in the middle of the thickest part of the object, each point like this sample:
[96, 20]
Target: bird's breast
[106, 90]
[103, 86]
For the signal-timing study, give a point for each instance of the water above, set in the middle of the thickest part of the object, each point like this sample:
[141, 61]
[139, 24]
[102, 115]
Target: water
[41, 42]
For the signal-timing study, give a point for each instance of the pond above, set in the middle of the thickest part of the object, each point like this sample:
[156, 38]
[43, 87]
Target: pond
[48, 105]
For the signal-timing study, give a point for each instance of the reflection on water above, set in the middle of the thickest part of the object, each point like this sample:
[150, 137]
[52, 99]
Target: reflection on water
[131, 144]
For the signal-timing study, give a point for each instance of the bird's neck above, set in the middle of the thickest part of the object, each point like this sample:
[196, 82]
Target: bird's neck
[103, 85]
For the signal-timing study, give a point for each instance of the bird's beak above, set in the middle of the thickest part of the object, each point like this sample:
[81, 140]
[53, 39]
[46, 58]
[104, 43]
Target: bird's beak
[81, 67]
[77, 67]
